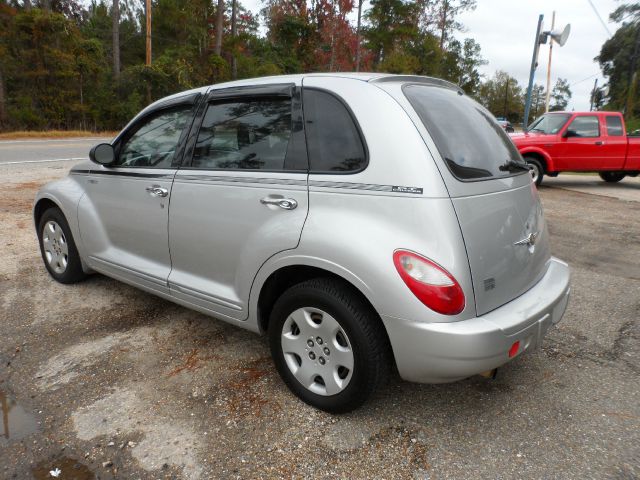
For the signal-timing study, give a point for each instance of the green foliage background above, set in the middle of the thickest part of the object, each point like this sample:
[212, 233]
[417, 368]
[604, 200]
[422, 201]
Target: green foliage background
[56, 56]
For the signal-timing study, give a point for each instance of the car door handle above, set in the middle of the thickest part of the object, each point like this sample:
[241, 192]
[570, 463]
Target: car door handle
[285, 203]
[599, 142]
[157, 191]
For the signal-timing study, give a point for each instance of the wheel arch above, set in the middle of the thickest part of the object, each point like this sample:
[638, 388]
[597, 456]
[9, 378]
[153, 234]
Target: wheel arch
[272, 281]
[541, 156]
[42, 205]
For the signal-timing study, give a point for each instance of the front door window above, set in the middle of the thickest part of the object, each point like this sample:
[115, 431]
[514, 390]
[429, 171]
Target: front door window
[154, 143]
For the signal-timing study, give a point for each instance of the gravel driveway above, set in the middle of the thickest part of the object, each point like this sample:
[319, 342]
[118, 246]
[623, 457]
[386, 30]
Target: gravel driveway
[101, 380]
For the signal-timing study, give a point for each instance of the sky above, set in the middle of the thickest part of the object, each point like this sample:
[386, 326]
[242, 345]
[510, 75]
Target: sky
[505, 30]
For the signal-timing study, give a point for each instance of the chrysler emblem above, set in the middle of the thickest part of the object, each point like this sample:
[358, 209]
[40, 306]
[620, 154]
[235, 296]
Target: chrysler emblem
[529, 240]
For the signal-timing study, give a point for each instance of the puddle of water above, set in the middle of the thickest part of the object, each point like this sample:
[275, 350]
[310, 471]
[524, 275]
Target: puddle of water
[67, 468]
[17, 423]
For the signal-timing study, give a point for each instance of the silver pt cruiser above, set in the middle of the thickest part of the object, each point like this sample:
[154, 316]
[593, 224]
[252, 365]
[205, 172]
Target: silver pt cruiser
[356, 219]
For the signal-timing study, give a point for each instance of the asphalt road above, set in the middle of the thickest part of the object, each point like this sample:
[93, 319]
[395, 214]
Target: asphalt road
[627, 189]
[103, 380]
[22, 151]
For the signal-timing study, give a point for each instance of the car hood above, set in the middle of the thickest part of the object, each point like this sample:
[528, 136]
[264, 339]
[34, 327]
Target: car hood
[526, 138]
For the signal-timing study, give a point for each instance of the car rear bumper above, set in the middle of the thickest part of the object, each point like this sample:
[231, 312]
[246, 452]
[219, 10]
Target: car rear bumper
[445, 352]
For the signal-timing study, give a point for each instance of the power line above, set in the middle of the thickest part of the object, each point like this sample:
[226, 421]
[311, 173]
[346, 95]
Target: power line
[585, 79]
[604, 25]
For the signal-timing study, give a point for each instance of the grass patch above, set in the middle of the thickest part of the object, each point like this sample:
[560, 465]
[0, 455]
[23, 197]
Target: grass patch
[54, 134]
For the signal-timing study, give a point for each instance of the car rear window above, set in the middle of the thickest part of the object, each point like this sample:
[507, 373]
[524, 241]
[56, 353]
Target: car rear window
[473, 145]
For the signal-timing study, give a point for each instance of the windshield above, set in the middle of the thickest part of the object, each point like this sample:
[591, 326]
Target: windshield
[472, 143]
[549, 123]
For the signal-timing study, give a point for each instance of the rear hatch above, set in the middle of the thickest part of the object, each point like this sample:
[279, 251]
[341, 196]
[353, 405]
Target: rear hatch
[497, 205]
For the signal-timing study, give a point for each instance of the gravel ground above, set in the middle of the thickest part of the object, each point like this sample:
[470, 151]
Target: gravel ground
[101, 380]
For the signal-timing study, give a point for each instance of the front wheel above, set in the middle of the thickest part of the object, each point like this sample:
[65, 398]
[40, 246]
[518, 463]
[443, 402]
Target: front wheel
[328, 345]
[537, 170]
[58, 249]
[612, 177]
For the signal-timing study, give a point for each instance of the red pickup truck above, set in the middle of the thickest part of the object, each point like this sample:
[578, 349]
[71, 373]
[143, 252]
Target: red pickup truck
[579, 142]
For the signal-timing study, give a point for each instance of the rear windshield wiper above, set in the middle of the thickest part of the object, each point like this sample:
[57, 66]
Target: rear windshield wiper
[511, 165]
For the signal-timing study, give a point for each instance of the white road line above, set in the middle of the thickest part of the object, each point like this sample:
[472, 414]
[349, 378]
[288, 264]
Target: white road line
[44, 161]
[75, 139]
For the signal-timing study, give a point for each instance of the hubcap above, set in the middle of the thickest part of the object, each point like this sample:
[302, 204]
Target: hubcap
[317, 351]
[535, 173]
[56, 249]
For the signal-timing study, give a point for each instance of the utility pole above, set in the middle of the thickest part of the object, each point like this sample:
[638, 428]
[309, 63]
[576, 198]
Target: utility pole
[532, 72]
[148, 15]
[546, 102]
[593, 94]
[506, 94]
[358, 35]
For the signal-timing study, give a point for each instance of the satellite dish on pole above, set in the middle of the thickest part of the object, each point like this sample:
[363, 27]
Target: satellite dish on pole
[561, 37]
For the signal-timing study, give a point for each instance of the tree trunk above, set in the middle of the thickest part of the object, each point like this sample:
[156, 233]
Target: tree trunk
[443, 26]
[219, 26]
[3, 104]
[46, 5]
[115, 13]
[358, 35]
[234, 60]
[27, 5]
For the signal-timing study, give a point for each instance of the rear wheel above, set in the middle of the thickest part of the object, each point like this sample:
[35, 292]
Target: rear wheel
[537, 170]
[328, 345]
[612, 177]
[58, 249]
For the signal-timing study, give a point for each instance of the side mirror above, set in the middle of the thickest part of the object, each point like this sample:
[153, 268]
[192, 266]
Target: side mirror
[103, 154]
[569, 133]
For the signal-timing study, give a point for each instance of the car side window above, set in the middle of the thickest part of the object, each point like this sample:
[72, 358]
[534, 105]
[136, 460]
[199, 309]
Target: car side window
[154, 143]
[614, 126]
[586, 126]
[333, 139]
[244, 134]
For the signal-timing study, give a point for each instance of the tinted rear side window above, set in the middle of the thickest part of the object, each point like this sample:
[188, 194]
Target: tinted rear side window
[614, 126]
[333, 140]
[473, 145]
[244, 134]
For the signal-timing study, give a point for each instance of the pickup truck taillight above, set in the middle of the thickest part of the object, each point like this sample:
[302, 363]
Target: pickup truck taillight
[429, 282]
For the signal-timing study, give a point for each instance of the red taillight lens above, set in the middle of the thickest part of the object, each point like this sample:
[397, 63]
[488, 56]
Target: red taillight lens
[429, 282]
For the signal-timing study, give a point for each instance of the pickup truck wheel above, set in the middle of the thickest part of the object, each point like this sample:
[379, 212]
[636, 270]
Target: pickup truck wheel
[612, 177]
[537, 170]
[328, 345]
[58, 249]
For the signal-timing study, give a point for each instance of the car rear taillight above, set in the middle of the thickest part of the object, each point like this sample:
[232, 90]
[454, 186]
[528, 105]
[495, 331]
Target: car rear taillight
[429, 282]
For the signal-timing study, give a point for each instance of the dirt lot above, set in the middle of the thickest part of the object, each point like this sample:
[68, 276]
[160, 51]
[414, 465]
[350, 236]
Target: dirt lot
[101, 380]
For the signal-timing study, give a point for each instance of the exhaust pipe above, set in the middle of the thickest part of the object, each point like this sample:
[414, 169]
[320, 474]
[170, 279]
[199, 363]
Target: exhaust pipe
[490, 374]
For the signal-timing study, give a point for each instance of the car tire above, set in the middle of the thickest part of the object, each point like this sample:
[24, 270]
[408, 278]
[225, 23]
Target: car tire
[612, 177]
[58, 248]
[537, 170]
[328, 344]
